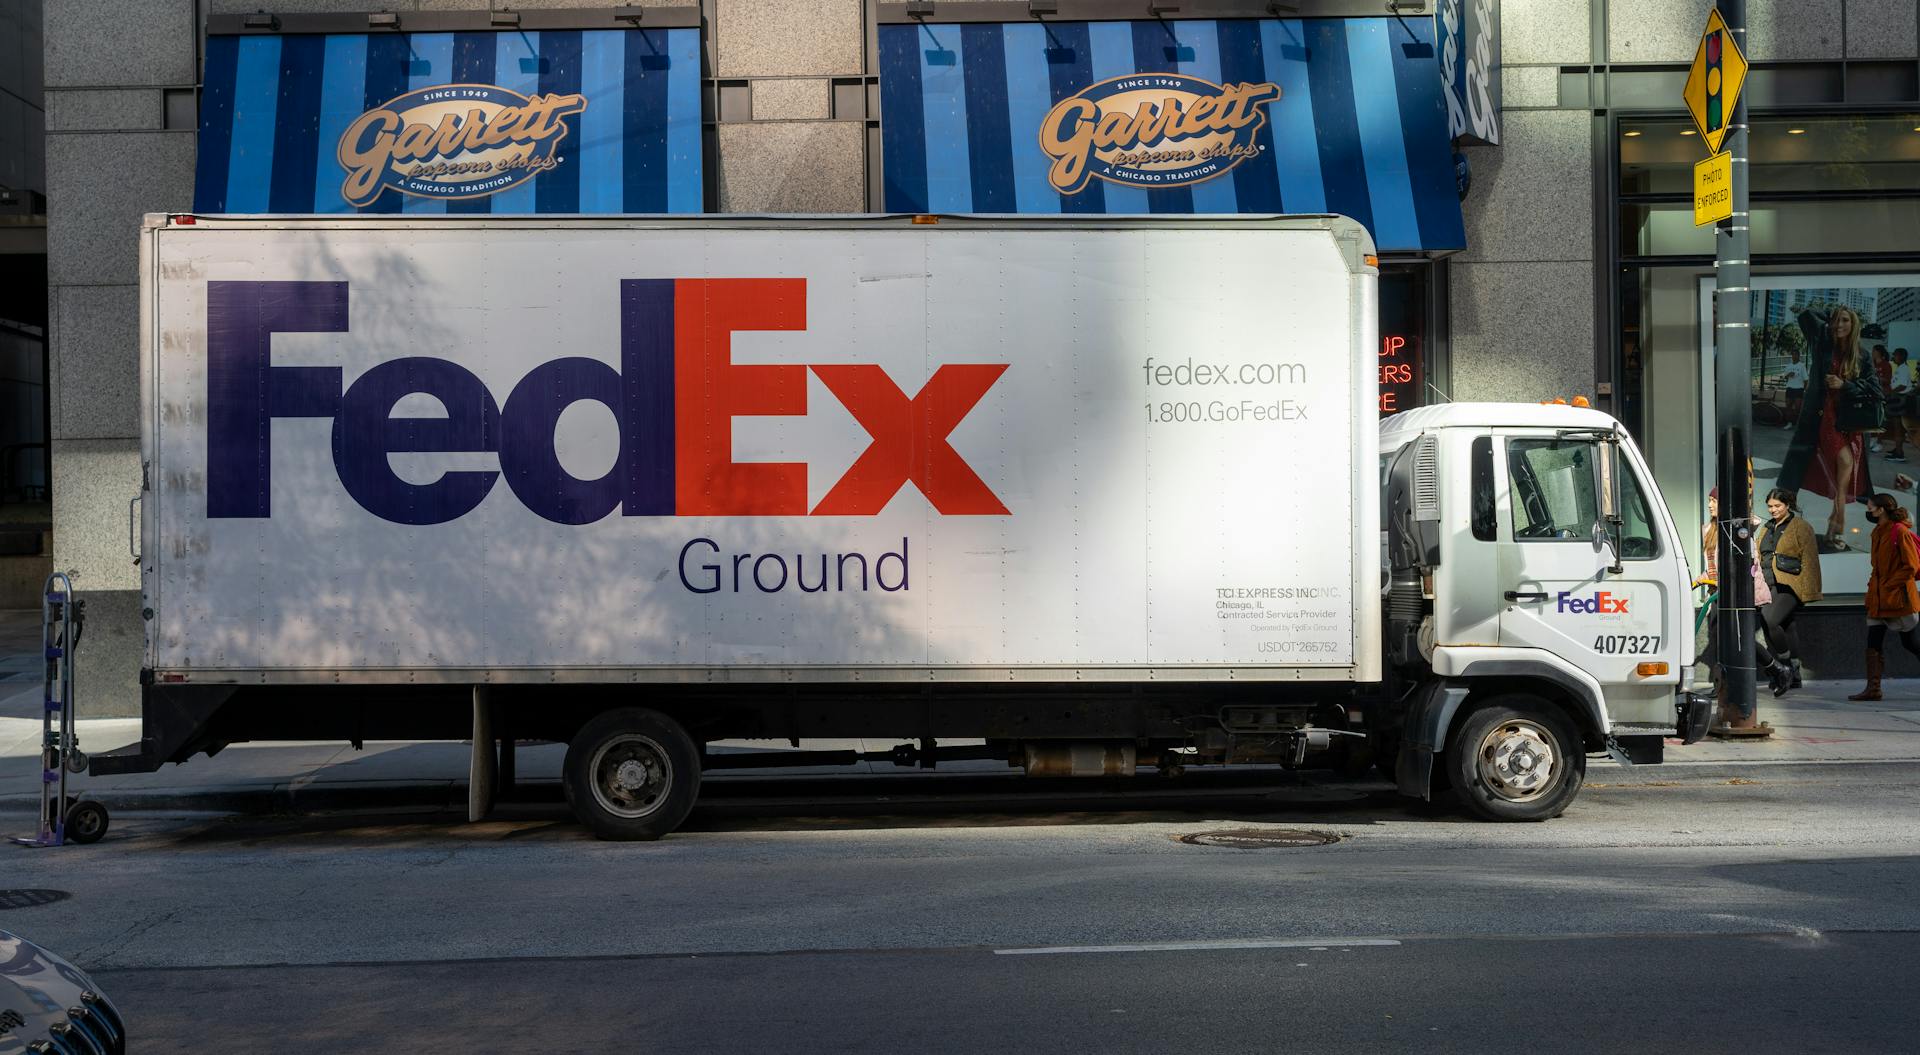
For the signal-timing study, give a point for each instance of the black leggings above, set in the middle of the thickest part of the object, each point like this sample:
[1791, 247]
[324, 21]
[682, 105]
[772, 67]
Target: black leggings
[1877, 638]
[1710, 654]
[1778, 615]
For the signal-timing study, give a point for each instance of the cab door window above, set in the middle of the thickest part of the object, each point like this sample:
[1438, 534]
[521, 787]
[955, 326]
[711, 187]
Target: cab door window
[1637, 538]
[1554, 496]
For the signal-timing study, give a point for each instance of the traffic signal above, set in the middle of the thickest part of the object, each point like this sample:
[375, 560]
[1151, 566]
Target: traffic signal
[1716, 99]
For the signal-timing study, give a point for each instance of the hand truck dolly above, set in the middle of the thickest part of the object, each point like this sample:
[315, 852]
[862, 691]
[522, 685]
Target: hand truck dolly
[64, 818]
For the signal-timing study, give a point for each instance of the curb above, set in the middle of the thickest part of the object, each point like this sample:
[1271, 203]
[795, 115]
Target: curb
[258, 799]
[960, 791]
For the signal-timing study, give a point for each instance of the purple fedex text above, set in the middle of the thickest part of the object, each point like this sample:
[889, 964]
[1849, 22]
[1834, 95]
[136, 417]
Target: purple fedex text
[674, 392]
[1602, 603]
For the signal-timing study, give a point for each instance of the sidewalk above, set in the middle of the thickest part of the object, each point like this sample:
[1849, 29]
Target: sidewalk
[1812, 725]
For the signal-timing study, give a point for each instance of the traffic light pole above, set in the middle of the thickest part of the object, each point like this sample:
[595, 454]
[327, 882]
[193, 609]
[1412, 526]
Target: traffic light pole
[1733, 411]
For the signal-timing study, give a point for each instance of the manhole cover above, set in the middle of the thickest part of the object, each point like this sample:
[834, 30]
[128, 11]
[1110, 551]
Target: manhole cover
[30, 898]
[1260, 838]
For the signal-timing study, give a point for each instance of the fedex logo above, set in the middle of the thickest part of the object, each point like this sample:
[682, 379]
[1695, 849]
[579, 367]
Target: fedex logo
[675, 395]
[1602, 603]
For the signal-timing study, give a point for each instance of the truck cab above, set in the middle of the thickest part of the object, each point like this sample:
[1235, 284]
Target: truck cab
[1536, 584]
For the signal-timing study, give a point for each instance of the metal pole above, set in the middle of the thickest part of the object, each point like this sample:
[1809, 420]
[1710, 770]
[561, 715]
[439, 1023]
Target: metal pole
[1733, 411]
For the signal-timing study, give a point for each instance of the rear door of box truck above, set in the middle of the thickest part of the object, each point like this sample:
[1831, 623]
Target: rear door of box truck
[383, 449]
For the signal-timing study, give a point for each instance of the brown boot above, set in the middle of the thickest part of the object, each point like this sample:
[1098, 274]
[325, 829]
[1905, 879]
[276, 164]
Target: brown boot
[1876, 666]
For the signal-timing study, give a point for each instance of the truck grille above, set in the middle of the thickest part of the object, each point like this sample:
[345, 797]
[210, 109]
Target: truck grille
[1426, 479]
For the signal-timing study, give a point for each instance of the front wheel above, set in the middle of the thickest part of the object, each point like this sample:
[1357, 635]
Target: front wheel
[1516, 758]
[631, 774]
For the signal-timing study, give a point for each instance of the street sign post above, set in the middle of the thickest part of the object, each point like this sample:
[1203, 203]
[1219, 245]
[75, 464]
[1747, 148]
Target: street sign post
[1720, 195]
[1713, 189]
[1713, 84]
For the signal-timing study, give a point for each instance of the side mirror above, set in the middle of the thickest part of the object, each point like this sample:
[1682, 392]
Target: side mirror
[1604, 539]
[1607, 530]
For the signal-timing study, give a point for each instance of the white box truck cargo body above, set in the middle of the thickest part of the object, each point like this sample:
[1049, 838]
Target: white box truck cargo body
[1104, 493]
[520, 450]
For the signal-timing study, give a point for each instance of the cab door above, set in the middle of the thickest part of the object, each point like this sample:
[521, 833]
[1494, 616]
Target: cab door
[1555, 585]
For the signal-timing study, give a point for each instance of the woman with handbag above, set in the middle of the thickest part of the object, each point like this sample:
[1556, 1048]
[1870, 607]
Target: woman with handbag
[1892, 601]
[1790, 562]
[1828, 452]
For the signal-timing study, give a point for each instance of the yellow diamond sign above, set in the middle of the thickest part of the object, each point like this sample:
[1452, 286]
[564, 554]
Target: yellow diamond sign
[1713, 85]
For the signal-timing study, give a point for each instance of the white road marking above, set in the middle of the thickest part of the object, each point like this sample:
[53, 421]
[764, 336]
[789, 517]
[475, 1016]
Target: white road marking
[1195, 946]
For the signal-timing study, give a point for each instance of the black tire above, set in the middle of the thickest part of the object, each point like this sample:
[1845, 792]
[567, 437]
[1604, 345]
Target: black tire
[616, 749]
[1495, 754]
[86, 822]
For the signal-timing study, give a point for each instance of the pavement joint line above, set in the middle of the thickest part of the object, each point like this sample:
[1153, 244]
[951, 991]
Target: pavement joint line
[1419, 938]
[1202, 946]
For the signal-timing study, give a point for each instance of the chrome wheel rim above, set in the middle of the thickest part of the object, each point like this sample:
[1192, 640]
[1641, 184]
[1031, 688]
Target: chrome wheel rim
[631, 775]
[1517, 761]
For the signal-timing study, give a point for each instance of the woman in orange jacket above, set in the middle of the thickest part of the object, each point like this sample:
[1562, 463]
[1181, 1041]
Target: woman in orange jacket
[1892, 601]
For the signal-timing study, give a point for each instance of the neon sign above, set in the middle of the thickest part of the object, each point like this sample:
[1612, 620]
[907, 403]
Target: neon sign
[1400, 375]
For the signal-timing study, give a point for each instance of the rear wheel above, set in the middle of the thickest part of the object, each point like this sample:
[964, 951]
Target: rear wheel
[632, 774]
[1516, 758]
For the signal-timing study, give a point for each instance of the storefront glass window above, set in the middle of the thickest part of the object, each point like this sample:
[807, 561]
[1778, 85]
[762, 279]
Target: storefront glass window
[1861, 438]
[1841, 194]
[1403, 337]
[1851, 153]
[1847, 225]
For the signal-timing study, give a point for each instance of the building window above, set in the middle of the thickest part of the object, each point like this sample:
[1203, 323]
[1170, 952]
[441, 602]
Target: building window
[1835, 206]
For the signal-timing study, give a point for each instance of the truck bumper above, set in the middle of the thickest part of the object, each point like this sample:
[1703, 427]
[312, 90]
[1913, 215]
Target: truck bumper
[1694, 715]
[142, 756]
[173, 719]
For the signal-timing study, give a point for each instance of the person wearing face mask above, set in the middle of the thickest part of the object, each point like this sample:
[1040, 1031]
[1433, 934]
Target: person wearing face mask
[1892, 601]
[1790, 561]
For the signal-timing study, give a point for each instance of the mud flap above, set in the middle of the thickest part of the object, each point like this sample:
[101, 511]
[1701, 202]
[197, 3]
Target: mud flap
[482, 765]
[1425, 736]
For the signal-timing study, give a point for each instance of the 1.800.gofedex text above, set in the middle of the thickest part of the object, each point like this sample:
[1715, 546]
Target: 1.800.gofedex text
[1219, 410]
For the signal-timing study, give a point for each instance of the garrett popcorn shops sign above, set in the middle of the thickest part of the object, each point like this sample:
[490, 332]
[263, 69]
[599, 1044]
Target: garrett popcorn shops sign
[1153, 130]
[559, 121]
[1197, 116]
[455, 141]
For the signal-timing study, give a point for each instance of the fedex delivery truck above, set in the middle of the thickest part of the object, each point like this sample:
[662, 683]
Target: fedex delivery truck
[1104, 494]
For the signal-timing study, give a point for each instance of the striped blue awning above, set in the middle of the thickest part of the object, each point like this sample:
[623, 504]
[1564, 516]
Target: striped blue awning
[277, 110]
[1359, 127]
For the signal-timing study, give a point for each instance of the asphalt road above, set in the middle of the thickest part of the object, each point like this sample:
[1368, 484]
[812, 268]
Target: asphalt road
[1698, 911]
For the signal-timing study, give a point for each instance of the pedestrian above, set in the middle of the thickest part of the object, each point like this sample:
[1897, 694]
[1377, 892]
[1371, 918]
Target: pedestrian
[1776, 672]
[1790, 561]
[1883, 372]
[1900, 406]
[1793, 381]
[1892, 602]
[1827, 454]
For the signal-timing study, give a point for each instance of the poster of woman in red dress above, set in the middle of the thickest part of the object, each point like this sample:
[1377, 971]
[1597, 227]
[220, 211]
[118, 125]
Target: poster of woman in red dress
[1830, 423]
[1843, 406]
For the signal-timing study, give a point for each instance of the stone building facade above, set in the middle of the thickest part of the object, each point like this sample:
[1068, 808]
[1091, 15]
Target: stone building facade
[1535, 305]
